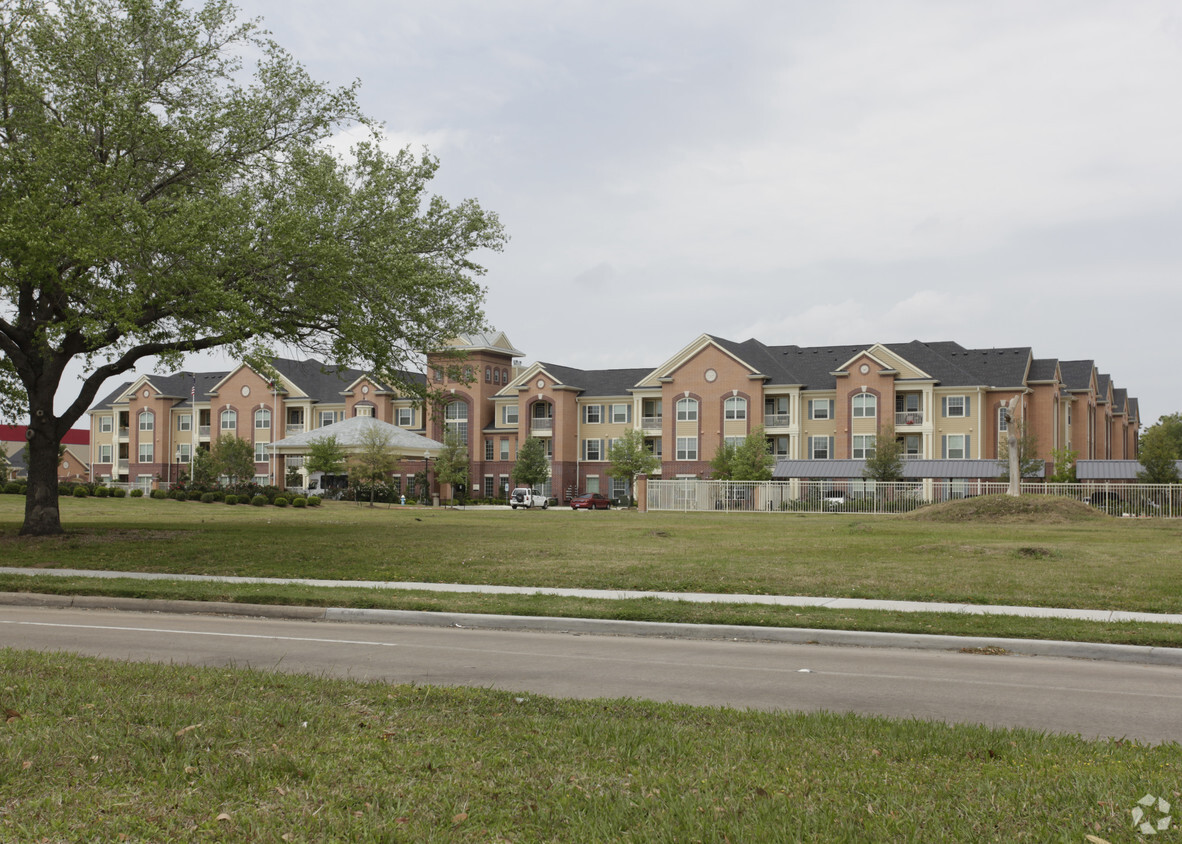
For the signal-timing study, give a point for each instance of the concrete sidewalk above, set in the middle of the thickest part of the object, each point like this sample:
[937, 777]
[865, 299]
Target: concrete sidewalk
[623, 594]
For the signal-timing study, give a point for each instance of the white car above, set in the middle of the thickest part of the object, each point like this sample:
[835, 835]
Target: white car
[527, 498]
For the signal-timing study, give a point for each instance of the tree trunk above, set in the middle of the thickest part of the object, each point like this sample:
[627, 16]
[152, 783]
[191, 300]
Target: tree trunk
[42, 516]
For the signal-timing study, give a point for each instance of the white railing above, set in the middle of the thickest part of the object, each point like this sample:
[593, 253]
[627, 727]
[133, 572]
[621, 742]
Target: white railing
[908, 417]
[777, 420]
[855, 495]
[651, 421]
[203, 430]
[541, 424]
[295, 428]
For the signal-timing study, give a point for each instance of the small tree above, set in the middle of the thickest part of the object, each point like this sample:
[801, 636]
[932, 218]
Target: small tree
[532, 467]
[1171, 425]
[629, 457]
[1029, 463]
[1064, 462]
[205, 472]
[722, 464]
[292, 478]
[374, 460]
[451, 466]
[1157, 457]
[325, 455]
[234, 458]
[886, 462]
[5, 466]
[753, 460]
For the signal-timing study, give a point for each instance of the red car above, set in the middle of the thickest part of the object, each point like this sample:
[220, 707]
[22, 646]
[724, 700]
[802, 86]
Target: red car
[591, 501]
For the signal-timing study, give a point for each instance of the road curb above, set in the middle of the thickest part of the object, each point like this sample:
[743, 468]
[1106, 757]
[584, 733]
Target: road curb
[1144, 654]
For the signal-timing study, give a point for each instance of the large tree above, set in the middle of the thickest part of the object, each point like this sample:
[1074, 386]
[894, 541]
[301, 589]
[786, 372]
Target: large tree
[629, 456]
[452, 465]
[532, 467]
[373, 461]
[158, 198]
[233, 457]
[749, 460]
[1171, 427]
[1157, 456]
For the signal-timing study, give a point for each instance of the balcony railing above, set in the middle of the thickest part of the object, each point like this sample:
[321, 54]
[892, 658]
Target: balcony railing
[777, 420]
[123, 467]
[908, 417]
[203, 431]
[295, 428]
[541, 424]
[124, 432]
[651, 421]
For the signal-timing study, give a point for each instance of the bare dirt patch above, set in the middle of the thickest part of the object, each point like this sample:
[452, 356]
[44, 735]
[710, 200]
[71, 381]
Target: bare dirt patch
[1025, 509]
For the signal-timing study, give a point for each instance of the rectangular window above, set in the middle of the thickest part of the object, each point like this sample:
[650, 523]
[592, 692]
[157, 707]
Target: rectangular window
[262, 419]
[955, 446]
[363, 410]
[820, 408]
[864, 406]
[592, 413]
[687, 448]
[146, 453]
[503, 484]
[777, 446]
[956, 406]
[820, 448]
[509, 414]
[504, 448]
[490, 486]
[592, 449]
[734, 441]
[653, 444]
[592, 483]
[488, 448]
[864, 446]
[260, 452]
[105, 424]
[406, 417]
[105, 453]
[147, 421]
[184, 422]
[621, 413]
[1002, 422]
[184, 452]
[619, 488]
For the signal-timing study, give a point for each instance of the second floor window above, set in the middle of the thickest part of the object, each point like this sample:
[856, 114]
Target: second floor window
[735, 408]
[262, 418]
[229, 420]
[147, 420]
[865, 406]
[687, 410]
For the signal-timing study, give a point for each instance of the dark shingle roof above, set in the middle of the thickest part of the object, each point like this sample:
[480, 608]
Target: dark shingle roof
[596, 382]
[1077, 374]
[1043, 369]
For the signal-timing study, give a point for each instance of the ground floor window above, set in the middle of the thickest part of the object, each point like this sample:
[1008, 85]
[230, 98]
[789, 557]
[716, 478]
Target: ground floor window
[864, 446]
[490, 485]
[619, 488]
[592, 483]
[687, 448]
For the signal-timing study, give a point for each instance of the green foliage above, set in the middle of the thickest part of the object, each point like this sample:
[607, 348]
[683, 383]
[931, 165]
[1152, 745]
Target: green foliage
[159, 494]
[292, 478]
[207, 498]
[325, 454]
[280, 501]
[101, 492]
[299, 501]
[205, 469]
[5, 466]
[886, 463]
[12, 488]
[234, 458]
[259, 500]
[80, 492]
[119, 492]
[1064, 462]
[1157, 456]
[1171, 427]
[629, 457]
[181, 495]
[750, 460]
[451, 465]
[163, 182]
[373, 461]
[532, 468]
[231, 499]
[314, 500]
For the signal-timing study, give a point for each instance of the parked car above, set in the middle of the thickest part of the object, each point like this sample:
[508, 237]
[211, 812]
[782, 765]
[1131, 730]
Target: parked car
[527, 498]
[591, 501]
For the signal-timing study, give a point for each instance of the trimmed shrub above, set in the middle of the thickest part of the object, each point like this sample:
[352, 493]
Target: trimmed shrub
[181, 495]
[259, 500]
[207, 498]
[313, 501]
[101, 492]
[118, 492]
[280, 501]
[80, 492]
[12, 488]
[137, 493]
[299, 502]
[218, 495]
[159, 494]
[230, 499]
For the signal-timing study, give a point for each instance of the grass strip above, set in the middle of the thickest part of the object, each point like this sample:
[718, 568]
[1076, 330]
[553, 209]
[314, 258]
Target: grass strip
[633, 609]
[94, 750]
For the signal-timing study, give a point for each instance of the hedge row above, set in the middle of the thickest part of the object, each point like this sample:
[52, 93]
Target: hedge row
[82, 490]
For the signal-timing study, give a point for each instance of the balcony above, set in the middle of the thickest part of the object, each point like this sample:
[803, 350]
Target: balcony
[777, 420]
[124, 433]
[295, 428]
[908, 418]
[541, 425]
[203, 431]
[123, 467]
[651, 423]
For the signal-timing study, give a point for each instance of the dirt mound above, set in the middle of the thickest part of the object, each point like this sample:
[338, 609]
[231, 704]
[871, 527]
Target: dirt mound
[1032, 509]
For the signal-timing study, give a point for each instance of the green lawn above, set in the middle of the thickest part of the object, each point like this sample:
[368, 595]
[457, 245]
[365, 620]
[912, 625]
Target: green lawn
[101, 751]
[1104, 563]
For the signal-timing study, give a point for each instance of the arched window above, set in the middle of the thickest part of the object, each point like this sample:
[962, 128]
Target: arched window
[147, 420]
[262, 418]
[504, 376]
[735, 408]
[496, 376]
[865, 405]
[455, 417]
[687, 410]
[229, 420]
[488, 375]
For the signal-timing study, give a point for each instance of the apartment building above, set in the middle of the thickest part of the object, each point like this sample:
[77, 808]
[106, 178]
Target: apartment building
[820, 407]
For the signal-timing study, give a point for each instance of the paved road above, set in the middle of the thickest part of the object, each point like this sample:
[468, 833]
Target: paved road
[1063, 695]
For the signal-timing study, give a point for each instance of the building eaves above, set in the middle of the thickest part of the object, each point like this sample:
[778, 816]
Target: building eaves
[1077, 374]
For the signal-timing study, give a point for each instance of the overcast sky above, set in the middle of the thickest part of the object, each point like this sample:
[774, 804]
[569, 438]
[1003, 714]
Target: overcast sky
[995, 173]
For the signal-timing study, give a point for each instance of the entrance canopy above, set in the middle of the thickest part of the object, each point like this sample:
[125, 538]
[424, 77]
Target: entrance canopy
[349, 434]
